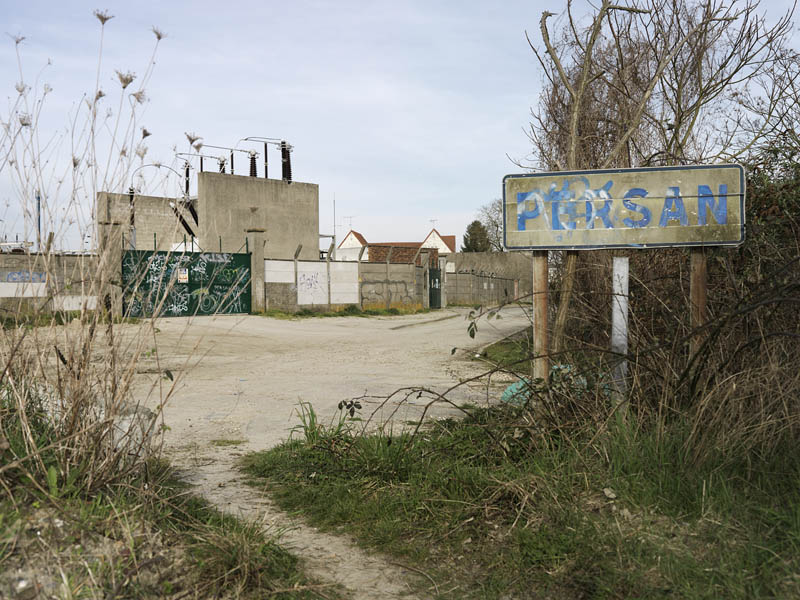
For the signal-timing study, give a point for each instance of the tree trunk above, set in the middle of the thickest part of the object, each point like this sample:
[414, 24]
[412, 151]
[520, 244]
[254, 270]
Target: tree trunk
[567, 284]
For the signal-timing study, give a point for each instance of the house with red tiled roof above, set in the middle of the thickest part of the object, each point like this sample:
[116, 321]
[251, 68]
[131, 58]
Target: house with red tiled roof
[350, 247]
[353, 242]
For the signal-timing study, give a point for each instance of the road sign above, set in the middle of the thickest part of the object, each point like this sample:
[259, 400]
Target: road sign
[625, 208]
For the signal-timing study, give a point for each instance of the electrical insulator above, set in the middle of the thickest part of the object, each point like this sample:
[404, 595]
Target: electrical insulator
[131, 193]
[286, 161]
[221, 165]
[253, 165]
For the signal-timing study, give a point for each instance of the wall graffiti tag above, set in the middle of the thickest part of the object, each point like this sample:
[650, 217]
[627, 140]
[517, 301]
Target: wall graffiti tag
[649, 207]
[26, 277]
[175, 284]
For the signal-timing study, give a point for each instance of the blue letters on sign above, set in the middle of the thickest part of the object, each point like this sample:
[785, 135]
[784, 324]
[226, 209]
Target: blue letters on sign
[576, 203]
[673, 208]
[630, 205]
[705, 201]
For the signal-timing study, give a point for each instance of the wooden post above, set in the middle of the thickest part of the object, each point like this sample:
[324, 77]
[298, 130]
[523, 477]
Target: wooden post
[619, 331]
[697, 294]
[540, 367]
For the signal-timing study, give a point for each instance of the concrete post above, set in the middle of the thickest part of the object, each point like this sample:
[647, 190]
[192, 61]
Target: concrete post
[296, 294]
[328, 270]
[108, 285]
[426, 280]
[360, 279]
[387, 285]
[443, 282]
[255, 241]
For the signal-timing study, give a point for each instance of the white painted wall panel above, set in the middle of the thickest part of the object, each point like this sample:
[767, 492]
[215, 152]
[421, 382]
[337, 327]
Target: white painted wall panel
[344, 283]
[74, 302]
[279, 271]
[22, 290]
[312, 283]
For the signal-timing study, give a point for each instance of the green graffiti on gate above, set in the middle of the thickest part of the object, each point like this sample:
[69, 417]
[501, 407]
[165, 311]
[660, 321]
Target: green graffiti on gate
[172, 284]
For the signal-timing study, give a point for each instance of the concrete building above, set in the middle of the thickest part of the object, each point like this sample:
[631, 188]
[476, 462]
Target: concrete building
[225, 208]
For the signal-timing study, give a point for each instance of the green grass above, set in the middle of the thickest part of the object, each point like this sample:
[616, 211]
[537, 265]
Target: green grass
[148, 539]
[490, 509]
[512, 351]
[29, 319]
[351, 310]
[139, 535]
[11, 319]
[224, 442]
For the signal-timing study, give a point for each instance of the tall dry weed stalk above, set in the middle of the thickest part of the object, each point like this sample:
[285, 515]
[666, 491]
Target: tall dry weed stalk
[67, 420]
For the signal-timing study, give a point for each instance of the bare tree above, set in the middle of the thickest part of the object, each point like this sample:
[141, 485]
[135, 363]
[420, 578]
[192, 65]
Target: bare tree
[656, 82]
[491, 216]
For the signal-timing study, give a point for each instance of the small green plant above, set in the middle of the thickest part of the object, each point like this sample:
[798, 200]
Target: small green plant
[226, 442]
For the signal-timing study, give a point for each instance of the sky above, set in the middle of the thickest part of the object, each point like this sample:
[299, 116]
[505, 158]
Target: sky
[407, 113]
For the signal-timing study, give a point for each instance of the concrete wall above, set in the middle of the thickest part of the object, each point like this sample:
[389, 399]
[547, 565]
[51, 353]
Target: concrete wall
[46, 282]
[470, 289]
[398, 286]
[152, 215]
[294, 285]
[508, 265]
[288, 212]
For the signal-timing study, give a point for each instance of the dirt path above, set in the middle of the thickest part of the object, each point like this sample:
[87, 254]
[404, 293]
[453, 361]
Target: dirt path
[239, 382]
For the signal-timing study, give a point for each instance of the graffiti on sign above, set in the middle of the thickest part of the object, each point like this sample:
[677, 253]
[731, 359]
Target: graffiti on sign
[653, 207]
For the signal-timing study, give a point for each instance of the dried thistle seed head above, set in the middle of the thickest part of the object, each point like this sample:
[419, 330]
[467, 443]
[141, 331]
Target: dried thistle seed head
[192, 137]
[141, 150]
[20, 87]
[100, 94]
[25, 119]
[126, 78]
[75, 162]
[160, 35]
[197, 146]
[47, 88]
[139, 96]
[102, 15]
[124, 151]
[157, 164]
[145, 133]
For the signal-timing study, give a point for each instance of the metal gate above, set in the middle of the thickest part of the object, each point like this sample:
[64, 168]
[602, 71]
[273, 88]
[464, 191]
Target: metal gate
[435, 288]
[174, 284]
